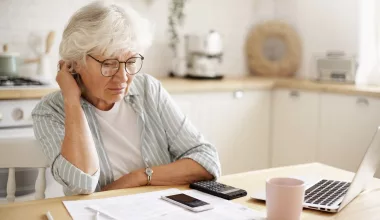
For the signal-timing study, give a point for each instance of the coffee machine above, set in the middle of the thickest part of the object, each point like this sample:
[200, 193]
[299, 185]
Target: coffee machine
[204, 55]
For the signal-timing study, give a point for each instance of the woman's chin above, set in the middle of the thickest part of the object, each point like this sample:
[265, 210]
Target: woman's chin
[115, 97]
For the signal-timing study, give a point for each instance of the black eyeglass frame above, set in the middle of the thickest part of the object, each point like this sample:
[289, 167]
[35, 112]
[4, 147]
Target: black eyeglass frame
[134, 57]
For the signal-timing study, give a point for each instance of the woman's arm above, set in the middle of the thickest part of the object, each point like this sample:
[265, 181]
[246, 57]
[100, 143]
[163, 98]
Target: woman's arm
[184, 171]
[185, 141]
[67, 144]
[195, 159]
[78, 147]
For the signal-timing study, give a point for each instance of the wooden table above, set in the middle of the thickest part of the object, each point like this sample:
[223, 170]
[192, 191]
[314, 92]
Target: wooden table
[366, 206]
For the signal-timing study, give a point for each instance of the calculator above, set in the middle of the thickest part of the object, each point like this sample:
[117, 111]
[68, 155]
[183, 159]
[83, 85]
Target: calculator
[218, 189]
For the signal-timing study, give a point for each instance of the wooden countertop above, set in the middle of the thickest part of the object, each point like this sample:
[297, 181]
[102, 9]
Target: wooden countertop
[179, 85]
[25, 93]
[365, 206]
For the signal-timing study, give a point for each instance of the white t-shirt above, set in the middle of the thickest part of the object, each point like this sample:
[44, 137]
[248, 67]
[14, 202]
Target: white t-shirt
[121, 136]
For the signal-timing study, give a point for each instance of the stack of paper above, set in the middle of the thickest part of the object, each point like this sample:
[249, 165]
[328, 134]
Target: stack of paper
[151, 206]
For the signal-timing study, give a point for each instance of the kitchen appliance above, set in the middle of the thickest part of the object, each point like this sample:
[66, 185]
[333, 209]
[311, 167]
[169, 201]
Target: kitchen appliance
[336, 67]
[16, 126]
[10, 81]
[16, 123]
[204, 55]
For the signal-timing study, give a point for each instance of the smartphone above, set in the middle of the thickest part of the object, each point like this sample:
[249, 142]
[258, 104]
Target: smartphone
[188, 202]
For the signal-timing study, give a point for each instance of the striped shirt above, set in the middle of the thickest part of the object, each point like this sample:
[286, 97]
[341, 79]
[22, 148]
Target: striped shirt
[167, 136]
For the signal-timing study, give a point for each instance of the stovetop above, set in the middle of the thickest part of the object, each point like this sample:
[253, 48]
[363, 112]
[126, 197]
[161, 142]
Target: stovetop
[8, 81]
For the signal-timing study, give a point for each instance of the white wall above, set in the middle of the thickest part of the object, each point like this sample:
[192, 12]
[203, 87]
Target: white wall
[322, 24]
[327, 25]
[21, 18]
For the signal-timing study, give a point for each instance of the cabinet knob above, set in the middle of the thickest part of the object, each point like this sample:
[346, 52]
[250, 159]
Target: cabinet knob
[17, 114]
[362, 101]
[294, 94]
[238, 94]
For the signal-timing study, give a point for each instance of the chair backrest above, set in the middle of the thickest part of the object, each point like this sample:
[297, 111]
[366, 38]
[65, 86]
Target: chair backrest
[23, 153]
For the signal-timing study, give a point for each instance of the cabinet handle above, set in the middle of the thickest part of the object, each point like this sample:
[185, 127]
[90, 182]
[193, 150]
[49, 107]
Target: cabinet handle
[294, 94]
[362, 101]
[238, 94]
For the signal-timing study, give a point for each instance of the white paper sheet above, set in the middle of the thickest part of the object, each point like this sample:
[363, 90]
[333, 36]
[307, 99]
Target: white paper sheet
[150, 206]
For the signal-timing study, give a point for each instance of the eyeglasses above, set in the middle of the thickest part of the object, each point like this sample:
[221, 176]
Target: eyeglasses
[110, 67]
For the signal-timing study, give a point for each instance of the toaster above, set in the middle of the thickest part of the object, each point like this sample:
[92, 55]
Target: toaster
[336, 67]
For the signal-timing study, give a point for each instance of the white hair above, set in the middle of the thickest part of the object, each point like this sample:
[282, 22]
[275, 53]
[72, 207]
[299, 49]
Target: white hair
[104, 28]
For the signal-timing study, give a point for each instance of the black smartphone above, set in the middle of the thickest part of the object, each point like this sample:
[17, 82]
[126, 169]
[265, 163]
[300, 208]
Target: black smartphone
[188, 202]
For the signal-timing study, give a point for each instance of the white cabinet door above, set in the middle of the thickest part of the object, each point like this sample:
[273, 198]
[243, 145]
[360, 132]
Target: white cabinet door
[237, 123]
[188, 104]
[294, 127]
[347, 126]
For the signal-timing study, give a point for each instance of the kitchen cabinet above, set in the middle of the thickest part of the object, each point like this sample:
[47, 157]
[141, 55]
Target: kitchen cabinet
[295, 120]
[347, 126]
[236, 122]
[261, 128]
[189, 104]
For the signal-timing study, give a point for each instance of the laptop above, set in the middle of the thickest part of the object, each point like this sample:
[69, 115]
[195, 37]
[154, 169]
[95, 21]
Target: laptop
[333, 196]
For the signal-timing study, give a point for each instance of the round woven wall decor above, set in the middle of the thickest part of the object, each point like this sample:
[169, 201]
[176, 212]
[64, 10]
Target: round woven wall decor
[273, 49]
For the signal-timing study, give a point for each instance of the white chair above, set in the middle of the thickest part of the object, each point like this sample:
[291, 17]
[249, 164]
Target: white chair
[23, 153]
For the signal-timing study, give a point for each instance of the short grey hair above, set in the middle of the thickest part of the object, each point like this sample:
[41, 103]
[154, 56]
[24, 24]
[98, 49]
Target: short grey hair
[104, 28]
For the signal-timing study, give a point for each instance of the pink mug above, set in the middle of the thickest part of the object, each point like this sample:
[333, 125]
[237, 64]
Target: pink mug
[284, 198]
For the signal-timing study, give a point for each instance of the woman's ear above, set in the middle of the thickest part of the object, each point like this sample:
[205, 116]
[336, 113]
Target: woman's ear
[76, 66]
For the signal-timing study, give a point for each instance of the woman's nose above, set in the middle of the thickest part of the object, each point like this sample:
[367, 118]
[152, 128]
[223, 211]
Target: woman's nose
[122, 74]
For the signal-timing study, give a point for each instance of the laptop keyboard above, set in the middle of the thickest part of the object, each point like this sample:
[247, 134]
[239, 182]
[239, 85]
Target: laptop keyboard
[326, 192]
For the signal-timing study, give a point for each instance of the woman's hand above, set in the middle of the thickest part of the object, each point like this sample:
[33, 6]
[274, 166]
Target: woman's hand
[69, 87]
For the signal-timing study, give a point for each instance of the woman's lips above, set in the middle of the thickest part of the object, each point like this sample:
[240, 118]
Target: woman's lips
[117, 90]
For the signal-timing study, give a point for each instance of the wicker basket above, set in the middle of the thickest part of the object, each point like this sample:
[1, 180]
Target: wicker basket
[257, 61]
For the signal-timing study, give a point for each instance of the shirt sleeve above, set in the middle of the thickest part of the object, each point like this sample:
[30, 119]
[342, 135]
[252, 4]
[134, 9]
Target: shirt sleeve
[184, 139]
[50, 133]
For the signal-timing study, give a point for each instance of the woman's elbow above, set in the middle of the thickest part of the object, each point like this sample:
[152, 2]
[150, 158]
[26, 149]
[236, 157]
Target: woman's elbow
[73, 191]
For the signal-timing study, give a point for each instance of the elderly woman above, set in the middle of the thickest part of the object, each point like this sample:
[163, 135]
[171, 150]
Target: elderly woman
[110, 126]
